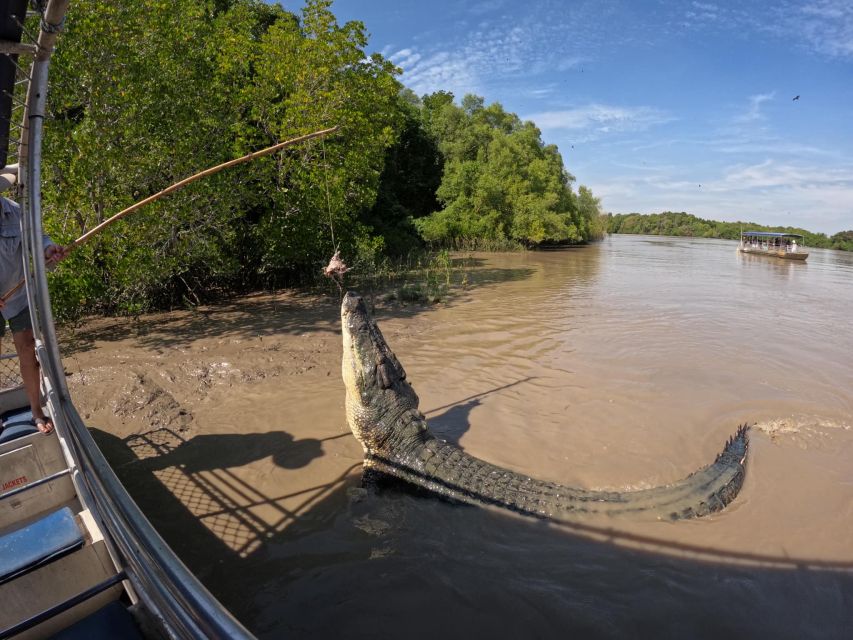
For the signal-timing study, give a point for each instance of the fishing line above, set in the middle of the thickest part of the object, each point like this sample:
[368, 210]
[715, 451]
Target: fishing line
[328, 199]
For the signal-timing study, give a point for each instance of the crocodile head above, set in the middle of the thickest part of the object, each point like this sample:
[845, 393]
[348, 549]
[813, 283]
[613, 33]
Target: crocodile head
[380, 403]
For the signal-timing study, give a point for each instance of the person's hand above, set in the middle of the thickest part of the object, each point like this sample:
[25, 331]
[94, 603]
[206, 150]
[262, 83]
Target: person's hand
[55, 253]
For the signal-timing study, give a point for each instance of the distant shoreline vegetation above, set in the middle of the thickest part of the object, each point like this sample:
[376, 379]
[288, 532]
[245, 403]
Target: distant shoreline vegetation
[671, 223]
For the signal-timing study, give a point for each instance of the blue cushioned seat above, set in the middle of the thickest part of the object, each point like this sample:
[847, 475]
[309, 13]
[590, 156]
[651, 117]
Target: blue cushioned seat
[16, 424]
[16, 431]
[38, 543]
[110, 622]
[17, 416]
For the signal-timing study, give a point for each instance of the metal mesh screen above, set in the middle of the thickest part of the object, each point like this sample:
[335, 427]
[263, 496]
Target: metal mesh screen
[10, 374]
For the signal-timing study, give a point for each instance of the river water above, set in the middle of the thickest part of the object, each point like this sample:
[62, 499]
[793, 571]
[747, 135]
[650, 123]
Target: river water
[622, 365]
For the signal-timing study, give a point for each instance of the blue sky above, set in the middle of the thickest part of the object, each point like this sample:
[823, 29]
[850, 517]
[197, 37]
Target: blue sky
[681, 106]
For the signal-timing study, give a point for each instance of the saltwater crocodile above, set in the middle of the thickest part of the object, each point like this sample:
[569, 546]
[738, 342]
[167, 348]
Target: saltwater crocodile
[382, 412]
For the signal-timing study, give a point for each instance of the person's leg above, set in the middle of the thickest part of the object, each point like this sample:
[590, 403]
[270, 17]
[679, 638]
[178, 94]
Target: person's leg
[25, 345]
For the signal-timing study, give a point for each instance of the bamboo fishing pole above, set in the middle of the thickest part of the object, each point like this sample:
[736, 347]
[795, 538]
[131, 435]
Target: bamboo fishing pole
[178, 185]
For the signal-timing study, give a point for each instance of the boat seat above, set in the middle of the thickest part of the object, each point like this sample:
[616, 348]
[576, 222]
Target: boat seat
[38, 543]
[17, 431]
[16, 424]
[111, 621]
[16, 416]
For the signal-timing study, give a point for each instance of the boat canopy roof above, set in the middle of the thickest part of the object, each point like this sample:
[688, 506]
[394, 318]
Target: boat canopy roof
[770, 234]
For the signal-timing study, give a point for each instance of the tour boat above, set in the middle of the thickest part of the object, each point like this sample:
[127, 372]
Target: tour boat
[788, 246]
[78, 559]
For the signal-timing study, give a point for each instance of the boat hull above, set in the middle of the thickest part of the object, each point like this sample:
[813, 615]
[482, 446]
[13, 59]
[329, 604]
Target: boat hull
[773, 253]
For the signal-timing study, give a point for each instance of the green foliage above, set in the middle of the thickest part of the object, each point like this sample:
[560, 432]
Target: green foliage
[421, 276]
[501, 184]
[842, 241]
[590, 209]
[411, 175]
[429, 282]
[145, 94]
[685, 224]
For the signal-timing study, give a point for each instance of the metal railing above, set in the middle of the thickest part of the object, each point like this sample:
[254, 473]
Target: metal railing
[168, 590]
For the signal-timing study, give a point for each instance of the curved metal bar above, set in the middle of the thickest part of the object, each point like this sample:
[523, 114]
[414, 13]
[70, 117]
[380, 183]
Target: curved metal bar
[176, 598]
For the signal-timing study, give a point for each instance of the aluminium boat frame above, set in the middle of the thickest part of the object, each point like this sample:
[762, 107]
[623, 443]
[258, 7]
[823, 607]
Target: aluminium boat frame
[77, 556]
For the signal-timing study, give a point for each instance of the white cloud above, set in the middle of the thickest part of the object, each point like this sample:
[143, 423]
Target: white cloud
[489, 52]
[754, 113]
[405, 58]
[601, 118]
[442, 71]
[771, 146]
[703, 11]
[771, 175]
[825, 25]
[486, 6]
[502, 50]
[402, 53]
[541, 93]
[572, 62]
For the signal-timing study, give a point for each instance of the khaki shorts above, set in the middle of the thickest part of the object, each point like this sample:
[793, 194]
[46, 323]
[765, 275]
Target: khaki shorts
[20, 322]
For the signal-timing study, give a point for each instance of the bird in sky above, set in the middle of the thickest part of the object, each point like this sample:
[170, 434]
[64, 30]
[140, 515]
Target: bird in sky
[795, 98]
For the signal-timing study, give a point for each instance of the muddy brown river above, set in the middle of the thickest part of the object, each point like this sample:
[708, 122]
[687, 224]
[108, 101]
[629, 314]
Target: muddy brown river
[622, 365]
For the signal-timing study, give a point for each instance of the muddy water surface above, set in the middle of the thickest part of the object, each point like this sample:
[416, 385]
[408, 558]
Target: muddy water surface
[621, 365]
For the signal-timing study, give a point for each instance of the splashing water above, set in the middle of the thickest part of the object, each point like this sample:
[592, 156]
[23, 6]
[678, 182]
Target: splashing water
[802, 429]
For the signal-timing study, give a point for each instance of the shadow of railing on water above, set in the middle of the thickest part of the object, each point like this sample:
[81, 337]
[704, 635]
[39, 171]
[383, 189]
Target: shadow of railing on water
[199, 475]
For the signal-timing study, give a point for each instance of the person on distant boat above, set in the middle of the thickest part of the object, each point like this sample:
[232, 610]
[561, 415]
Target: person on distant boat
[794, 246]
[15, 310]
